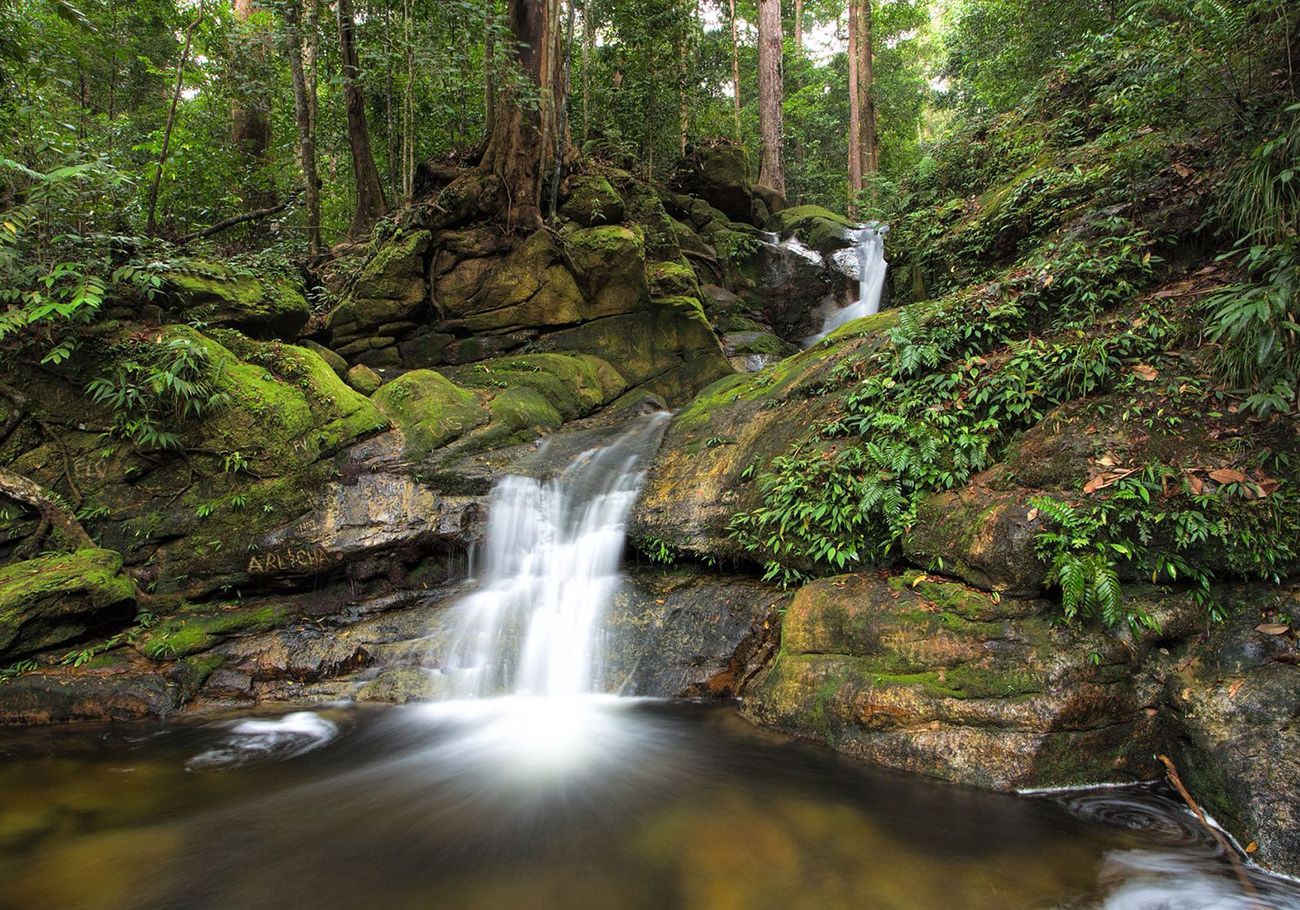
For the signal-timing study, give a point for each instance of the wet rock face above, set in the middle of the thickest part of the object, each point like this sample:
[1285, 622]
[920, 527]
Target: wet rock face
[682, 633]
[1238, 699]
[932, 677]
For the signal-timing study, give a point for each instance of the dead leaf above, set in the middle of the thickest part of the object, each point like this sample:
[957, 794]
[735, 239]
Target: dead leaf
[1095, 484]
[1183, 170]
[1227, 475]
[1108, 460]
[1267, 487]
[1252, 847]
[1208, 270]
[1145, 372]
[1235, 688]
[1197, 485]
[1273, 628]
[1047, 282]
[1033, 513]
[918, 579]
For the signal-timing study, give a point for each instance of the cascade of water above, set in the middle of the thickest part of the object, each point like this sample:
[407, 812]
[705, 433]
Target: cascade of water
[551, 567]
[869, 259]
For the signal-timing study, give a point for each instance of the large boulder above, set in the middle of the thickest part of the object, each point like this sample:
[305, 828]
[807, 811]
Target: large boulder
[55, 599]
[429, 409]
[592, 201]
[263, 307]
[389, 291]
[930, 677]
[818, 228]
[720, 175]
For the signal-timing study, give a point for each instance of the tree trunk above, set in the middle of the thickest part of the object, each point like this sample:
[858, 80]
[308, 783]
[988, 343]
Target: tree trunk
[518, 150]
[855, 115]
[489, 67]
[588, 44]
[866, 74]
[250, 127]
[683, 76]
[771, 172]
[370, 192]
[151, 206]
[798, 26]
[302, 112]
[408, 103]
[735, 69]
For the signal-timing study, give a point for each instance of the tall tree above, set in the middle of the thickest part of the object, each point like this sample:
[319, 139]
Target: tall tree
[151, 207]
[524, 135]
[370, 192]
[303, 108]
[735, 69]
[864, 146]
[798, 26]
[771, 170]
[250, 125]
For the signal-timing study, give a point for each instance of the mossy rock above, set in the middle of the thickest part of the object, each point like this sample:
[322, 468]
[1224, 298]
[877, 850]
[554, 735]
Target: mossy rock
[673, 279]
[669, 348]
[818, 228]
[54, 599]
[592, 201]
[201, 629]
[430, 409]
[530, 287]
[983, 537]
[336, 362]
[389, 288]
[264, 307]
[364, 380]
[646, 209]
[720, 175]
[287, 405]
[609, 263]
[573, 384]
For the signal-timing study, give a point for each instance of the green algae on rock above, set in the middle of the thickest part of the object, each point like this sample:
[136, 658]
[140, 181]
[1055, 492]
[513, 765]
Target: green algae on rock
[55, 599]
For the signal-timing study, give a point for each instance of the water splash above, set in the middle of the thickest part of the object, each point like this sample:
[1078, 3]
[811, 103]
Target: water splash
[550, 569]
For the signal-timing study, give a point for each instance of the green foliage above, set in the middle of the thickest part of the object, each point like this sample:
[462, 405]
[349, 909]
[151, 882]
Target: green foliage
[1155, 522]
[156, 384]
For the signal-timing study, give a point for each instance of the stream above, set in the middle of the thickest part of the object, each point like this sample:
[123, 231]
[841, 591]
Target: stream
[534, 788]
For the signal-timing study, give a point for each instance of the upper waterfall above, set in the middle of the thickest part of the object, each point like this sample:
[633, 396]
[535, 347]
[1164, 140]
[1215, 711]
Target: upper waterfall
[869, 265]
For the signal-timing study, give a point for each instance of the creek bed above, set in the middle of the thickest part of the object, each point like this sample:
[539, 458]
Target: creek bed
[588, 802]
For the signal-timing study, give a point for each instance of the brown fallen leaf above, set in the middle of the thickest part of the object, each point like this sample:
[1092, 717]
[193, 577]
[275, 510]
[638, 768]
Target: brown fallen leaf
[1227, 475]
[1145, 372]
[1108, 460]
[1183, 170]
[918, 579]
[1033, 513]
[1252, 847]
[1273, 628]
[1095, 484]
[1197, 485]
[1235, 688]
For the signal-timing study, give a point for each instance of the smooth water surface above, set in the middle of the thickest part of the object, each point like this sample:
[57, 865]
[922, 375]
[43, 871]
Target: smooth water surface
[587, 802]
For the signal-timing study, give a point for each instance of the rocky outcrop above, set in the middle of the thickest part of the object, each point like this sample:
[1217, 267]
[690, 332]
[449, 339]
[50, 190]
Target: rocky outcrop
[260, 306]
[928, 676]
[56, 599]
[720, 175]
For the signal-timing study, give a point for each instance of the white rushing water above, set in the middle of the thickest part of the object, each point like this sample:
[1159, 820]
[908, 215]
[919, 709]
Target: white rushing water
[866, 262]
[550, 569]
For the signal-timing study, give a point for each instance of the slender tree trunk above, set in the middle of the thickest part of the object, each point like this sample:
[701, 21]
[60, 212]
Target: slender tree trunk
[588, 44]
[250, 127]
[302, 113]
[855, 114]
[866, 73]
[771, 172]
[684, 120]
[370, 192]
[489, 68]
[798, 26]
[408, 103]
[562, 121]
[151, 207]
[735, 69]
[518, 149]
[391, 138]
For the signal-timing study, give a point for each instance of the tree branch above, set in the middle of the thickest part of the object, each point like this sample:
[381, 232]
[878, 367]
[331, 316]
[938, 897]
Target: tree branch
[241, 219]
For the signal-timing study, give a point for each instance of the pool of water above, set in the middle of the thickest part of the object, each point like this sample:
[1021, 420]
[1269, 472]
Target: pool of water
[559, 803]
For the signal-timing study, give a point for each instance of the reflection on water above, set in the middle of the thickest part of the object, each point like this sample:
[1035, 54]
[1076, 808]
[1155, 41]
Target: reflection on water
[558, 803]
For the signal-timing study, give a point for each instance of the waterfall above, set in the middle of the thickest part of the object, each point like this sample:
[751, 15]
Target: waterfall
[869, 265]
[550, 569]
